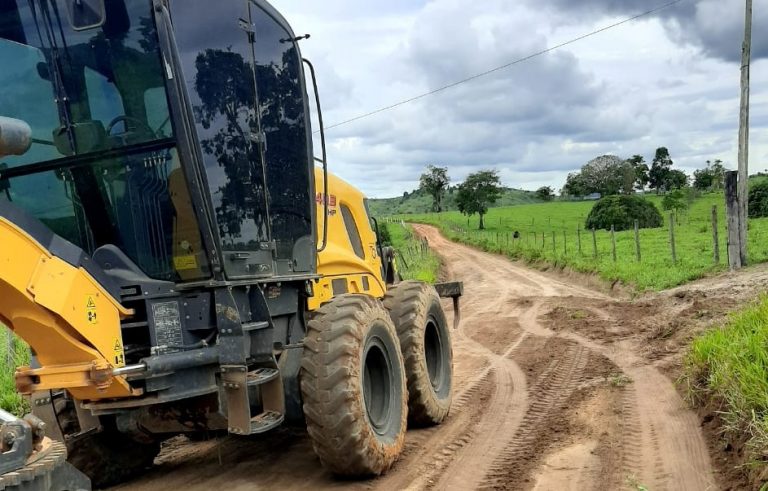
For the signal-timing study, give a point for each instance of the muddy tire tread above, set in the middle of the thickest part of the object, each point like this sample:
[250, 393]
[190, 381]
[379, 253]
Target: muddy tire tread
[332, 396]
[408, 304]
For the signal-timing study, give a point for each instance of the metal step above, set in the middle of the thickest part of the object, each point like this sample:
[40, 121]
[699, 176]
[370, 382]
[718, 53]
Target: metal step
[254, 326]
[266, 421]
[261, 376]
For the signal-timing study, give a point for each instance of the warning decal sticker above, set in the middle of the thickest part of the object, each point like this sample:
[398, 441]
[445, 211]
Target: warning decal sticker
[90, 310]
[118, 356]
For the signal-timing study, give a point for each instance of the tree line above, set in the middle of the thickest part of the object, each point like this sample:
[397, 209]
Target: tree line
[609, 175]
[606, 175]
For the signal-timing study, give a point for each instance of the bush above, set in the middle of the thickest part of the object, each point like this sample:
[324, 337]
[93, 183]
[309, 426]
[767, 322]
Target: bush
[758, 199]
[384, 236]
[675, 200]
[622, 211]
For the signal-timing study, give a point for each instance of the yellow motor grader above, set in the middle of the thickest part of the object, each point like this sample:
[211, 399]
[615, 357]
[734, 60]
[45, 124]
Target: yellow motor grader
[177, 257]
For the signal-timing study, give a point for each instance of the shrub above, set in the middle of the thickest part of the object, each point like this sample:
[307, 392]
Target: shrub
[758, 199]
[675, 200]
[384, 236]
[622, 211]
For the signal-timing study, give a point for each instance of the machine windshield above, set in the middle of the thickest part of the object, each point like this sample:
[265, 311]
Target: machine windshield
[86, 91]
[102, 168]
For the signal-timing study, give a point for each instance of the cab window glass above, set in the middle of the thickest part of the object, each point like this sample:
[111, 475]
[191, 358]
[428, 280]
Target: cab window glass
[284, 124]
[218, 69]
[352, 231]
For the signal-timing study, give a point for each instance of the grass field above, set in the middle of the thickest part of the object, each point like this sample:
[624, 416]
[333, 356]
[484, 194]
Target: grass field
[415, 261]
[655, 271]
[727, 368]
[12, 354]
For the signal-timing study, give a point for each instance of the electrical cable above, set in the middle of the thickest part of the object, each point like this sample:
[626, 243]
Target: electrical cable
[502, 67]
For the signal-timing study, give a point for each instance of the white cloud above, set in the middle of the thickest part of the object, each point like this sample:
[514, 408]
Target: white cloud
[658, 81]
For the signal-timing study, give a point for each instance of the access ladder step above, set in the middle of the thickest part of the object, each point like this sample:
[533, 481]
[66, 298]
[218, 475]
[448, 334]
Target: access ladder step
[266, 421]
[254, 326]
[262, 376]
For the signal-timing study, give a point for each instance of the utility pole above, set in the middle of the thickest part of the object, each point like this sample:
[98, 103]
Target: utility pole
[743, 192]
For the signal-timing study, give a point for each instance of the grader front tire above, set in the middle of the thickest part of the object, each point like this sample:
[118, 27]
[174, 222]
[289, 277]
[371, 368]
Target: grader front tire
[425, 342]
[353, 387]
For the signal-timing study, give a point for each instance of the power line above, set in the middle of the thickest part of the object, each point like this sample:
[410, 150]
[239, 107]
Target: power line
[502, 67]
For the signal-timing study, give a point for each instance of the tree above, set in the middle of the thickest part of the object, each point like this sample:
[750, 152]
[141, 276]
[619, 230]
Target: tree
[545, 193]
[718, 174]
[434, 182]
[641, 171]
[676, 200]
[628, 177]
[676, 179]
[658, 177]
[712, 177]
[702, 179]
[575, 186]
[604, 175]
[478, 192]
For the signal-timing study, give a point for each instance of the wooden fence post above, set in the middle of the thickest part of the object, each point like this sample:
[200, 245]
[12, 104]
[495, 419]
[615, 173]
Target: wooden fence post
[594, 244]
[565, 243]
[554, 244]
[637, 239]
[578, 235]
[613, 241]
[732, 216]
[715, 235]
[672, 237]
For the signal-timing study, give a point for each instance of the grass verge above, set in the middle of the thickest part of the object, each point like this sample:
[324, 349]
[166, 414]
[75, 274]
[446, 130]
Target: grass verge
[13, 353]
[726, 370]
[415, 260]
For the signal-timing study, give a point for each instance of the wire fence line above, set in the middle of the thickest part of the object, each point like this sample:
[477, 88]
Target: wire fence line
[554, 239]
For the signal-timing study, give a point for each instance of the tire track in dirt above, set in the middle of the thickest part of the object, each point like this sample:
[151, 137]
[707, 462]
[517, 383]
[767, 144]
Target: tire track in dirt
[662, 445]
[554, 387]
[498, 410]
[472, 435]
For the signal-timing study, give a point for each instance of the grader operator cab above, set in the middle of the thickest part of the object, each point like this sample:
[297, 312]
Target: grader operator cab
[174, 258]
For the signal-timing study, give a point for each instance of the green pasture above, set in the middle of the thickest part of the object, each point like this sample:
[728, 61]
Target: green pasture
[535, 225]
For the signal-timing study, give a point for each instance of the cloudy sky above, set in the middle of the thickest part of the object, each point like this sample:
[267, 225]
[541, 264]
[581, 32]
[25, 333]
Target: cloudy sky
[671, 79]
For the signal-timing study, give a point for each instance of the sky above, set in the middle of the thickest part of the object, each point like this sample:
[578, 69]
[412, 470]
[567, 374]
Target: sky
[670, 79]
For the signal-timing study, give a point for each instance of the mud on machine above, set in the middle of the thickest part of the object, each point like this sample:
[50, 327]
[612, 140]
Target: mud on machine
[179, 260]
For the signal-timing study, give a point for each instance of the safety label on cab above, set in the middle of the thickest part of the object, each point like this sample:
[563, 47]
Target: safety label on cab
[90, 310]
[183, 263]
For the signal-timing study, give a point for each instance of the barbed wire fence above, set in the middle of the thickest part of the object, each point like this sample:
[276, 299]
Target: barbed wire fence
[552, 240]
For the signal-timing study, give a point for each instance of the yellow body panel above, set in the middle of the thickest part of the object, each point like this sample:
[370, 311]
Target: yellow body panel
[339, 261]
[68, 319]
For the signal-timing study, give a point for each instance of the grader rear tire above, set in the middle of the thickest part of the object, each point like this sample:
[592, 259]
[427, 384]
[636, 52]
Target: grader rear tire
[353, 387]
[425, 342]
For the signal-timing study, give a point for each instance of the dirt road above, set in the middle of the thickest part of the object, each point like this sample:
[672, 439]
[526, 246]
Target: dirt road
[557, 386]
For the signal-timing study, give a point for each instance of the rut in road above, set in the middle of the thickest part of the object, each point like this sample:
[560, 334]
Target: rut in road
[662, 445]
[522, 393]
